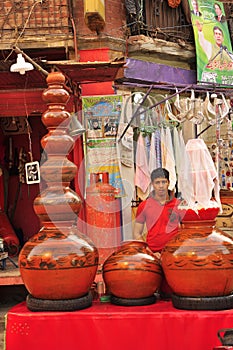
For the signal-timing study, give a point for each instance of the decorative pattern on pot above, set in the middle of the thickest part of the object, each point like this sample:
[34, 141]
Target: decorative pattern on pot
[59, 264]
[198, 262]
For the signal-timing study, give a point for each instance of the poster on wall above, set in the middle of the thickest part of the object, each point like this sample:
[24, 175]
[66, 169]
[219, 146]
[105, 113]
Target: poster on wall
[101, 116]
[212, 41]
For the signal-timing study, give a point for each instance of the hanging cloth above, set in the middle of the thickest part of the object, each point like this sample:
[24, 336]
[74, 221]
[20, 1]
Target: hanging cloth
[170, 159]
[125, 146]
[183, 105]
[224, 107]
[196, 114]
[177, 154]
[153, 156]
[158, 148]
[147, 145]
[142, 174]
[170, 113]
[125, 151]
[184, 178]
[163, 147]
[209, 110]
[202, 175]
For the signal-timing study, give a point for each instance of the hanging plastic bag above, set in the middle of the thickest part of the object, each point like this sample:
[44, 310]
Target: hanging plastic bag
[199, 176]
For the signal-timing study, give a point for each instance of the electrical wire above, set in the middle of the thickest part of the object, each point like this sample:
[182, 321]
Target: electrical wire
[24, 27]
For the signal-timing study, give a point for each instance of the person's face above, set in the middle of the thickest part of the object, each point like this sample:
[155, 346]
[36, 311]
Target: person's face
[217, 10]
[160, 186]
[95, 125]
[195, 5]
[218, 37]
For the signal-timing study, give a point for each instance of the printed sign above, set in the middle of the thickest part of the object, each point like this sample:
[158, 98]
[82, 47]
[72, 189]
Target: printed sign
[32, 172]
[213, 44]
[101, 116]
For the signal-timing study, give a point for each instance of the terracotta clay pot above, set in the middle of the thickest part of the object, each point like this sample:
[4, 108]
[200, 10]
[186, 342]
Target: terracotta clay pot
[58, 263]
[133, 271]
[198, 261]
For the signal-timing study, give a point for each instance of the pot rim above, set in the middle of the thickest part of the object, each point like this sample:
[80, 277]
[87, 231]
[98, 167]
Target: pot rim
[133, 241]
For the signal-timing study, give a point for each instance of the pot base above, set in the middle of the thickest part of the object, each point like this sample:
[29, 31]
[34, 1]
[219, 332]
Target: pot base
[36, 304]
[133, 302]
[203, 303]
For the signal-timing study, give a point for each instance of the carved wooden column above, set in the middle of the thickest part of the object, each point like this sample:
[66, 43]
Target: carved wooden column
[58, 265]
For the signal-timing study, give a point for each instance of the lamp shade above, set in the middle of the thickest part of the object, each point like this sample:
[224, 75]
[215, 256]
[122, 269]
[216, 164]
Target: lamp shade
[21, 66]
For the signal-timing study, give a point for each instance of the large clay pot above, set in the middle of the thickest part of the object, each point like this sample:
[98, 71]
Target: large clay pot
[133, 271]
[58, 263]
[198, 261]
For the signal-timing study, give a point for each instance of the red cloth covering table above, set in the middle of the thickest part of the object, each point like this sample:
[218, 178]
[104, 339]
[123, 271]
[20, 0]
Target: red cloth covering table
[104, 326]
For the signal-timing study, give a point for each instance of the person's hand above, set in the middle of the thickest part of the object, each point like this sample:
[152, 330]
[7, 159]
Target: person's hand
[158, 255]
[199, 26]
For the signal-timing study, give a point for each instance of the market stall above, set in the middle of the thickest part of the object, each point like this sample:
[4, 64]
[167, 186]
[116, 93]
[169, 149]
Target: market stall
[104, 326]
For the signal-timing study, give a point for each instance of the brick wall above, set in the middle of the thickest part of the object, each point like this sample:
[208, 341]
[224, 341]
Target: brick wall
[36, 24]
[29, 18]
[115, 19]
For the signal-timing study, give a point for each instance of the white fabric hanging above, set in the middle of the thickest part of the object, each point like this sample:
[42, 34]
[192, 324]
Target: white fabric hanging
[177, 154]
[126, 145]
[184, 174]
[170, 159]
[153, 157]
[126, 161]
[163, 147]
[142, 174]
[176, 145]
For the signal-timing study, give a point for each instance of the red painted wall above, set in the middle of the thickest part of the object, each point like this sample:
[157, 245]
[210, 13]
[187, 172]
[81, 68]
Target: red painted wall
[96, 88]
[20, 195]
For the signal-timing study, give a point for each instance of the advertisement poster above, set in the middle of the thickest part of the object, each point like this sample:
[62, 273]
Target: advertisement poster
[212, 41]
[101, 116]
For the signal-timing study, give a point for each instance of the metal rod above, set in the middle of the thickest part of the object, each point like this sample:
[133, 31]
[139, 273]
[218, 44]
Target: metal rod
[204, 130]
[37, 66]
[135, 113]
[202, 88]
[153, 106]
